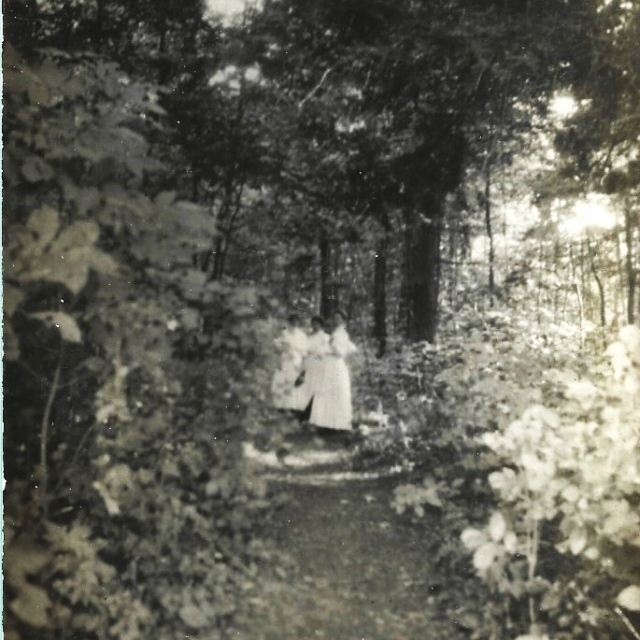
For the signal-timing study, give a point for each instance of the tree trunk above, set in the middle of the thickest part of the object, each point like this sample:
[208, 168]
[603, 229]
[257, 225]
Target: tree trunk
[218, 259]
[380, 294]
[556, 288]
[599, 283]
[631, 272]
[489, 229]
[453, 261]
[195, 184]
[99, 28]
[20, 19]
[540, 283]
[584, 283]
[422, 269]
[326, 298]
[403, 310]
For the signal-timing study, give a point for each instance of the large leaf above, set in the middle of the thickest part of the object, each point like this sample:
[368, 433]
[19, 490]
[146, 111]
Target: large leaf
[473, 538]
[497, 527]
[165, 199]
[485, 555]
[191, 283]
[31, 606]
[35, 170]
[68, 258]
[82, 199]
[126, 209]
[11, 346]
[70, 268]
[80, 234]
[69, 330]
[126, 148]
[194, 616]
[577, 540]
[13, 298]
[24, 559]
[20, 80]
[102, 262]
[44, 224]
[629, 598]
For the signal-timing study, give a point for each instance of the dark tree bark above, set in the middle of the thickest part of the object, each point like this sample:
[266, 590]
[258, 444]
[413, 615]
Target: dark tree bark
[99, 26]
[380, 294]
[326, 298]
[402, 319]
[631, 272]
[422, 269]
[218, 259]
[489, 228]
[594, 271]
[20, 18]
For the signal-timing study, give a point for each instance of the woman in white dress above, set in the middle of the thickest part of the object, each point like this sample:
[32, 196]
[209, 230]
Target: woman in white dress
[292, 344]
[317, 349]
[331, 407]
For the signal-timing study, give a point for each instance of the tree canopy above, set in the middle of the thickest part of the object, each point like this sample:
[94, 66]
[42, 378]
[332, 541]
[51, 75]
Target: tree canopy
[459, 177]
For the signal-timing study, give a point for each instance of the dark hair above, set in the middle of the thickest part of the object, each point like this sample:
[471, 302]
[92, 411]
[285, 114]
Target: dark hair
[293, 318]
[340, 313]
[318, 320]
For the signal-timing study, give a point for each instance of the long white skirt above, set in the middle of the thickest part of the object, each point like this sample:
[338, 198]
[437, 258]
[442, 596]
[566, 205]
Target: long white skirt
[283, 391]
[313, 375]
[331, 407]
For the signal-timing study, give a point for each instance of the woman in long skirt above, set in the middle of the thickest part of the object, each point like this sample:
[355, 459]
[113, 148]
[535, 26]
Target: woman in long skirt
[331, 407]
[292, 344]
[317, 349]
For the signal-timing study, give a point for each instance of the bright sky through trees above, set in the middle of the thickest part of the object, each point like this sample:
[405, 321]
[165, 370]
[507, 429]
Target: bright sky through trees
[230, 8]
[563, 106]
[593, 211]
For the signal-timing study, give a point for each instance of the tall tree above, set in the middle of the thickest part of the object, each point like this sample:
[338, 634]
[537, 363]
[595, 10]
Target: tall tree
[601, 140]
[414, 74]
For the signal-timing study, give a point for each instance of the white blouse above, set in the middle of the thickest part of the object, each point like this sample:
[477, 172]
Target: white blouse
[341, 346]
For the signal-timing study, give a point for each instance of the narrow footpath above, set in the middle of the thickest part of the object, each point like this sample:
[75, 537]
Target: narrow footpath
[357, 571]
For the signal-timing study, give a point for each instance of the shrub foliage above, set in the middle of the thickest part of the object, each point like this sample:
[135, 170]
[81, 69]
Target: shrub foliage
[127, 505]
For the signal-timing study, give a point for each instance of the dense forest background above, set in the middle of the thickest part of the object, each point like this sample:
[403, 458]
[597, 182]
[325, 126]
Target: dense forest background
[460, 176]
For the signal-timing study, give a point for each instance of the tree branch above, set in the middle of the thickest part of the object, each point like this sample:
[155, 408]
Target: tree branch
[316, 88]
[627, 623]
[44, 431]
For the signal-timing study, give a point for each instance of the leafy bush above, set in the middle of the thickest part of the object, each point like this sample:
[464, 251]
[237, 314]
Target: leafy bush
[546, 503]
[128, 508]
[569, 485]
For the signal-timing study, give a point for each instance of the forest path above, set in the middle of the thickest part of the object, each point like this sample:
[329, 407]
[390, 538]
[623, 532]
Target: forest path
[358, 572]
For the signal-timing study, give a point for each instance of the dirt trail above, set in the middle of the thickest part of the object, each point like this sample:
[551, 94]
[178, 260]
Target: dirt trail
[361, 573]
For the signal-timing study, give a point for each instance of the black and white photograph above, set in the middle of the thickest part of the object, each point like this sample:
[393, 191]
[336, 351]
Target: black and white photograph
[321, 319]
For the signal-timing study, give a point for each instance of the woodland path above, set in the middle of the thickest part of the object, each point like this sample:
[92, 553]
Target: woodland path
[358, 571]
